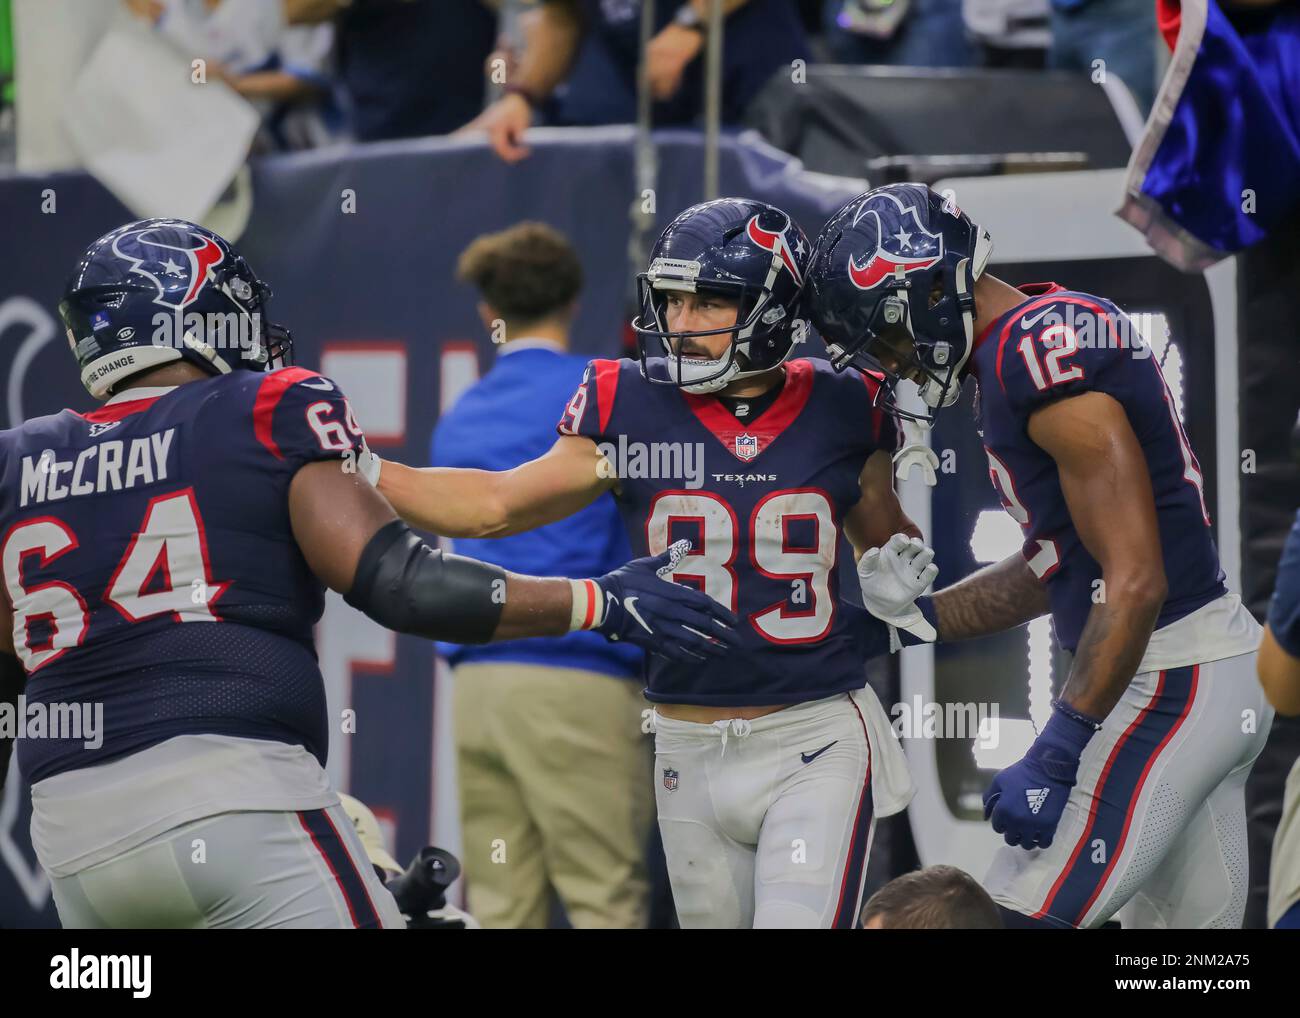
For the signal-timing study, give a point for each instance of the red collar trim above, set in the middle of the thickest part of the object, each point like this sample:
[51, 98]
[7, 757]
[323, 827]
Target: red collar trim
[767, 426]
[117, 411]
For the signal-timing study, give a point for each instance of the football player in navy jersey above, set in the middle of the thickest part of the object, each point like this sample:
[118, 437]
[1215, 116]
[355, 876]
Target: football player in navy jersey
[164, 559]
[1133, 791]
[772, 760]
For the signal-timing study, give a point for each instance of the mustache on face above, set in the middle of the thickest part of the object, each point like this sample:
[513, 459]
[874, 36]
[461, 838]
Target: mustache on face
[689, 348]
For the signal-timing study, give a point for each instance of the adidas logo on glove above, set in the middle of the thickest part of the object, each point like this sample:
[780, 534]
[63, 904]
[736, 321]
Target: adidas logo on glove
[1036, 797]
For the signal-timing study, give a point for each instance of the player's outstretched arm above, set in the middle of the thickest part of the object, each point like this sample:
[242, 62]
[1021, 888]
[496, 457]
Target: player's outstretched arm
[1107, 488]
[459, 502]
[354, 544]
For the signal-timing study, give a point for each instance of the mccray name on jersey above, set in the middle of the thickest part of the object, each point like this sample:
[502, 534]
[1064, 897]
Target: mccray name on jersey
[111, 465]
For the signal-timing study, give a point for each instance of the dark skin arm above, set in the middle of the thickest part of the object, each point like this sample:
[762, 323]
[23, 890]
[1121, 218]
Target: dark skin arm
[1107, 487]
[878, 515]
[1001, 596]
[334, 515]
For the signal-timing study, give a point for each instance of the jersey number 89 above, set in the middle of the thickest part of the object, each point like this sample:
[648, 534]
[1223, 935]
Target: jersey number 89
[806, 614]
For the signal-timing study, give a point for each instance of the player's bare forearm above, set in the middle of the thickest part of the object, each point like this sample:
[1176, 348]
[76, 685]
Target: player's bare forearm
[878, 514]
[1107, 487]
[338, 519]
[485, 503]
[445, 500]
[996, 598]
[1109, 651]
[534, 606]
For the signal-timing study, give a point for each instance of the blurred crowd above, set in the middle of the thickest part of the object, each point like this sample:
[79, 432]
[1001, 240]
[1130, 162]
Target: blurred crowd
[321, 71]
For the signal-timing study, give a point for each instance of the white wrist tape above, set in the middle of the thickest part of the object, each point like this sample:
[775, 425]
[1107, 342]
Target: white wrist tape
[588, 605]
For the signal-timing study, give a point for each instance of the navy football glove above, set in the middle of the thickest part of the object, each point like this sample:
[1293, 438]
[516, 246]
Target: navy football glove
[665, 618]
[1026, 800]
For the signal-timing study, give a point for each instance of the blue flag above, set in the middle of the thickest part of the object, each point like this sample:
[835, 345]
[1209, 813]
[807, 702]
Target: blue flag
[1218, 166]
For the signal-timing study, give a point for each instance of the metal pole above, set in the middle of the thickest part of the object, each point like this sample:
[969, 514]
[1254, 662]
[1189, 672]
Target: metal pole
[712, 99]
[642, 210]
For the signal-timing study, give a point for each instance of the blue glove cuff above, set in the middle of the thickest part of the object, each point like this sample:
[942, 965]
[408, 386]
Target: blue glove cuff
[1062, 741]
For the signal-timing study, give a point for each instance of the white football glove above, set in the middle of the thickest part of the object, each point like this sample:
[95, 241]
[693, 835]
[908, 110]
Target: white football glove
[893, 577]
[916, 452]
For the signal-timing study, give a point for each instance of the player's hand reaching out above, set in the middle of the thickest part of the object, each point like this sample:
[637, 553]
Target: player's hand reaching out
[893, 577]
[639, 605]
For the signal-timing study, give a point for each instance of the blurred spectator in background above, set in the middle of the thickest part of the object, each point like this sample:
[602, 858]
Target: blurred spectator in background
[285, 71]
[1279, 673]
[905, 33]
[1119, 33]
[578, 62]
[1009, 33]
[409, 67]
[935, 898]
[554, 771]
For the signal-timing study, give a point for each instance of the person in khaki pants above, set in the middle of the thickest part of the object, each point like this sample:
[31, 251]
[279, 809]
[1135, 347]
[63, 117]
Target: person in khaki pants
[553, 768]
[555, 790]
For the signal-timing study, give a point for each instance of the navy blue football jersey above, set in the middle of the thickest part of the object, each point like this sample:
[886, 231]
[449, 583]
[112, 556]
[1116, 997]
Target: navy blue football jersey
[762, 503]
[151, 566]
[1061, 344]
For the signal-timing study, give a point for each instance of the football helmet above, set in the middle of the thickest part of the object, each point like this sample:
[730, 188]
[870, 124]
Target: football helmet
[161, 290]
[891, 289]
[736, 248]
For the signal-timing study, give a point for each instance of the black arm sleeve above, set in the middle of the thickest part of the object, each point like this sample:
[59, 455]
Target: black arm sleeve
[408, 587]
[12, 679]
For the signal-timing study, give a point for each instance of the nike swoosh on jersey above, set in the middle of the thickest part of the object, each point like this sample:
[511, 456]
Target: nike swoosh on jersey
[1028, 323]
[323, 384]
[810, 757]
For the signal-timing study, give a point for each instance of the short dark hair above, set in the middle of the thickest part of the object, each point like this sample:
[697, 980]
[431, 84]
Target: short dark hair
[526, 273]
[935, 898]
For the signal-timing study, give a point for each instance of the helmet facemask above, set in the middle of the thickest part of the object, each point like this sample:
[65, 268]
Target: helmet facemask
[272, 344]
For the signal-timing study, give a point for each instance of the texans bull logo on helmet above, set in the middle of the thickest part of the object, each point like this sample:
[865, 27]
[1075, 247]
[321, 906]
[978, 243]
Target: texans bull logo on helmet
[911, 246]
[198, 261]
[777, 242]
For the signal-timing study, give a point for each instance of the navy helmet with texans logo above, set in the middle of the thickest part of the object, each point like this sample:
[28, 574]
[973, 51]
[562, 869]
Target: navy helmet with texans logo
[891, 289]
[738, 249]
[162, 290]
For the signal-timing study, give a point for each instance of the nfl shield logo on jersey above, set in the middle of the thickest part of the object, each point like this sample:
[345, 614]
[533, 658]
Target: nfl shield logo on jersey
[670, 779]
[746, 447]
